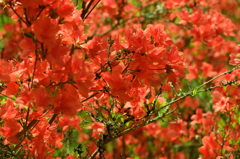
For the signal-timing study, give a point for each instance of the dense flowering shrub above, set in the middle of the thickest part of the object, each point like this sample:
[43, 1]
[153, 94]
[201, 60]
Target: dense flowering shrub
[119, 79]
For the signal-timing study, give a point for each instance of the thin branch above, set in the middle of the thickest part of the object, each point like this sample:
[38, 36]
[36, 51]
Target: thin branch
[33, 122]
[5, 96]
[26, 17]
[91, 9]
[85, 10]
[53, 118]
[40, 12]
[224, 73]
[34, 70]
[83, 5]
[89, 97]
[17, 14]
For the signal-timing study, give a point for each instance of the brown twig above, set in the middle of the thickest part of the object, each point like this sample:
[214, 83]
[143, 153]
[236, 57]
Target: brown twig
[53, 118]
[34, 70]
[85, 10]
[92, 9]
[28, 127]
[18, 14]
[89, 97]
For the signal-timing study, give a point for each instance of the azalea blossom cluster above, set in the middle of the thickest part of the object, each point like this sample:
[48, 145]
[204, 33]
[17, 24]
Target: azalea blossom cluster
[152, 78]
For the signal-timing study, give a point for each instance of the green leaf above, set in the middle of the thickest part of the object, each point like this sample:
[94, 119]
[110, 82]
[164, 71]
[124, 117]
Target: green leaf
[157, 104]
[3, 100]
[194, 92]
[234, 125]
[122, 120]
[113, 114]
[238, 120]
[128, 124]
[27, 34]
[163, 109]
[13, 98]
[238, 141]
[177, 20]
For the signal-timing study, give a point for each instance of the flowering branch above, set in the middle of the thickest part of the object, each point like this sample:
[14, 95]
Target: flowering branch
[166, 113]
